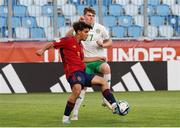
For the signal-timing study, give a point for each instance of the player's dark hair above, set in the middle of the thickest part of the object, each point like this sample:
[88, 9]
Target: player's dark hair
[80, 26]
[89, 9]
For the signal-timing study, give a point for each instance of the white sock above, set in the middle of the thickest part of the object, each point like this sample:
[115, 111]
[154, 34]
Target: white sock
[107, 103]
[65, 118]
[107, 77]
[79, 102]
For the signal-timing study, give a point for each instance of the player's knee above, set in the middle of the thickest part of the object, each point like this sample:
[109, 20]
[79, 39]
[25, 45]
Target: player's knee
[105, 68]
[76, 90]
[104, 85]
[103, 82]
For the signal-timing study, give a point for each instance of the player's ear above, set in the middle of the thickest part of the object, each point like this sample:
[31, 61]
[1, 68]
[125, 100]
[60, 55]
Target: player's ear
[78, 31]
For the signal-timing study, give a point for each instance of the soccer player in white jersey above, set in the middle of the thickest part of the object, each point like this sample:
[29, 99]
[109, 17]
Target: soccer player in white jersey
[98, 39]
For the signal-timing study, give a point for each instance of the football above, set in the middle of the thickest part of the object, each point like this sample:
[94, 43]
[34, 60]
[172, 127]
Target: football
[123, 107]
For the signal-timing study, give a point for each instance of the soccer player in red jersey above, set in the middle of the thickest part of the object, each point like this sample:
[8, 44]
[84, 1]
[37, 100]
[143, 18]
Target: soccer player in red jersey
[73, 59]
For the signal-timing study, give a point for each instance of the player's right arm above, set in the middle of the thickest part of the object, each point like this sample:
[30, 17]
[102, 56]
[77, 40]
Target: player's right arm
[58, 43]
[41, 51]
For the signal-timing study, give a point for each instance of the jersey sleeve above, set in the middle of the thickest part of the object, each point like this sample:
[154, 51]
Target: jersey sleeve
[58, 43]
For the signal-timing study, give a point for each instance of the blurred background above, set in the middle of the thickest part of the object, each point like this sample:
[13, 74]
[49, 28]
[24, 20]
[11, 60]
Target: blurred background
[125, 19]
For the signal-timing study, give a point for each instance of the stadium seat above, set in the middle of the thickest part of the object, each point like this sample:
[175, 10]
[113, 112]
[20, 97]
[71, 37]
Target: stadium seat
[2, 2]
[22, 33]
[63, 30]
[178, 1]
[157, 20]
[152, 31]
[74, 18]
[178, 31]
[20, 10]
[47, 10]
[104, 9]
[139, 20]
[29, 22]
[154, 2]
[115, 9]
[3, 10]
[122, 2]
[43, 21]
[92, 2]
[16, 22]
[14, 2]
[3, 32]
[166, 31]
[163, 10]
[169, 2]
[26, 2]
[173, 20]
[150, 10]
[34, 10]
[131, 9]
[69, 9]
[40, 2]
[49, 32]
[175, 9]
[134, 31]
[137, 2]
[86, 2]
[61, 2]
[119, 31]
[80, 9]
[109, 21]
[107, 2]
[37, 32]
[60, 21]
[2, 21]
[125, 20]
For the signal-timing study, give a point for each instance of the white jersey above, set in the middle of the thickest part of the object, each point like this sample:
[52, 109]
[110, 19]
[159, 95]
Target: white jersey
[91, 48]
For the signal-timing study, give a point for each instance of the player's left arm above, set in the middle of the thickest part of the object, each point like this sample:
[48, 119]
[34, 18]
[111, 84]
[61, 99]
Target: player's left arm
[107, 43]
[104, 41]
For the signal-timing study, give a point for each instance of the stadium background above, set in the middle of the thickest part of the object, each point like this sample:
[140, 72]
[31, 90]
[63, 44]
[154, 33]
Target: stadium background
[144, 56]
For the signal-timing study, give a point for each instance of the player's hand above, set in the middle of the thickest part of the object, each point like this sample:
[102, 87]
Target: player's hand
[39, 53]
[100, 43]
[81, 18]
[102, 59]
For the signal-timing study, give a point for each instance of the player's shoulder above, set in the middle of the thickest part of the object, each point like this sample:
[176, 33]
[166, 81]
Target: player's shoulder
[69, 38]
[100, 26]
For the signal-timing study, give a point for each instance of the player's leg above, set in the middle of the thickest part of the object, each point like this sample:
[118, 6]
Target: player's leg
[104, 68]
[76, 89]
[78, 104]
[81, 97]
[106, 71]
[97, 80]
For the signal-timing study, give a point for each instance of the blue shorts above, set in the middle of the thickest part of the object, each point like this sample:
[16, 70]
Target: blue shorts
[80, 77]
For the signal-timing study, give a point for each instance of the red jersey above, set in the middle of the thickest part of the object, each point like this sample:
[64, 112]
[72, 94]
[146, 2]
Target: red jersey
[71, 53]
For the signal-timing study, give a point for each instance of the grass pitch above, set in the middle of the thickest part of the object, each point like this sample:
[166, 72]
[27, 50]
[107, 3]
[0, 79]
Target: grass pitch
[148, 109]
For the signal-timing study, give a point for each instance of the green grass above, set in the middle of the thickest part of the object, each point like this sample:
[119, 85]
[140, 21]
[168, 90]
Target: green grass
[150, 109]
